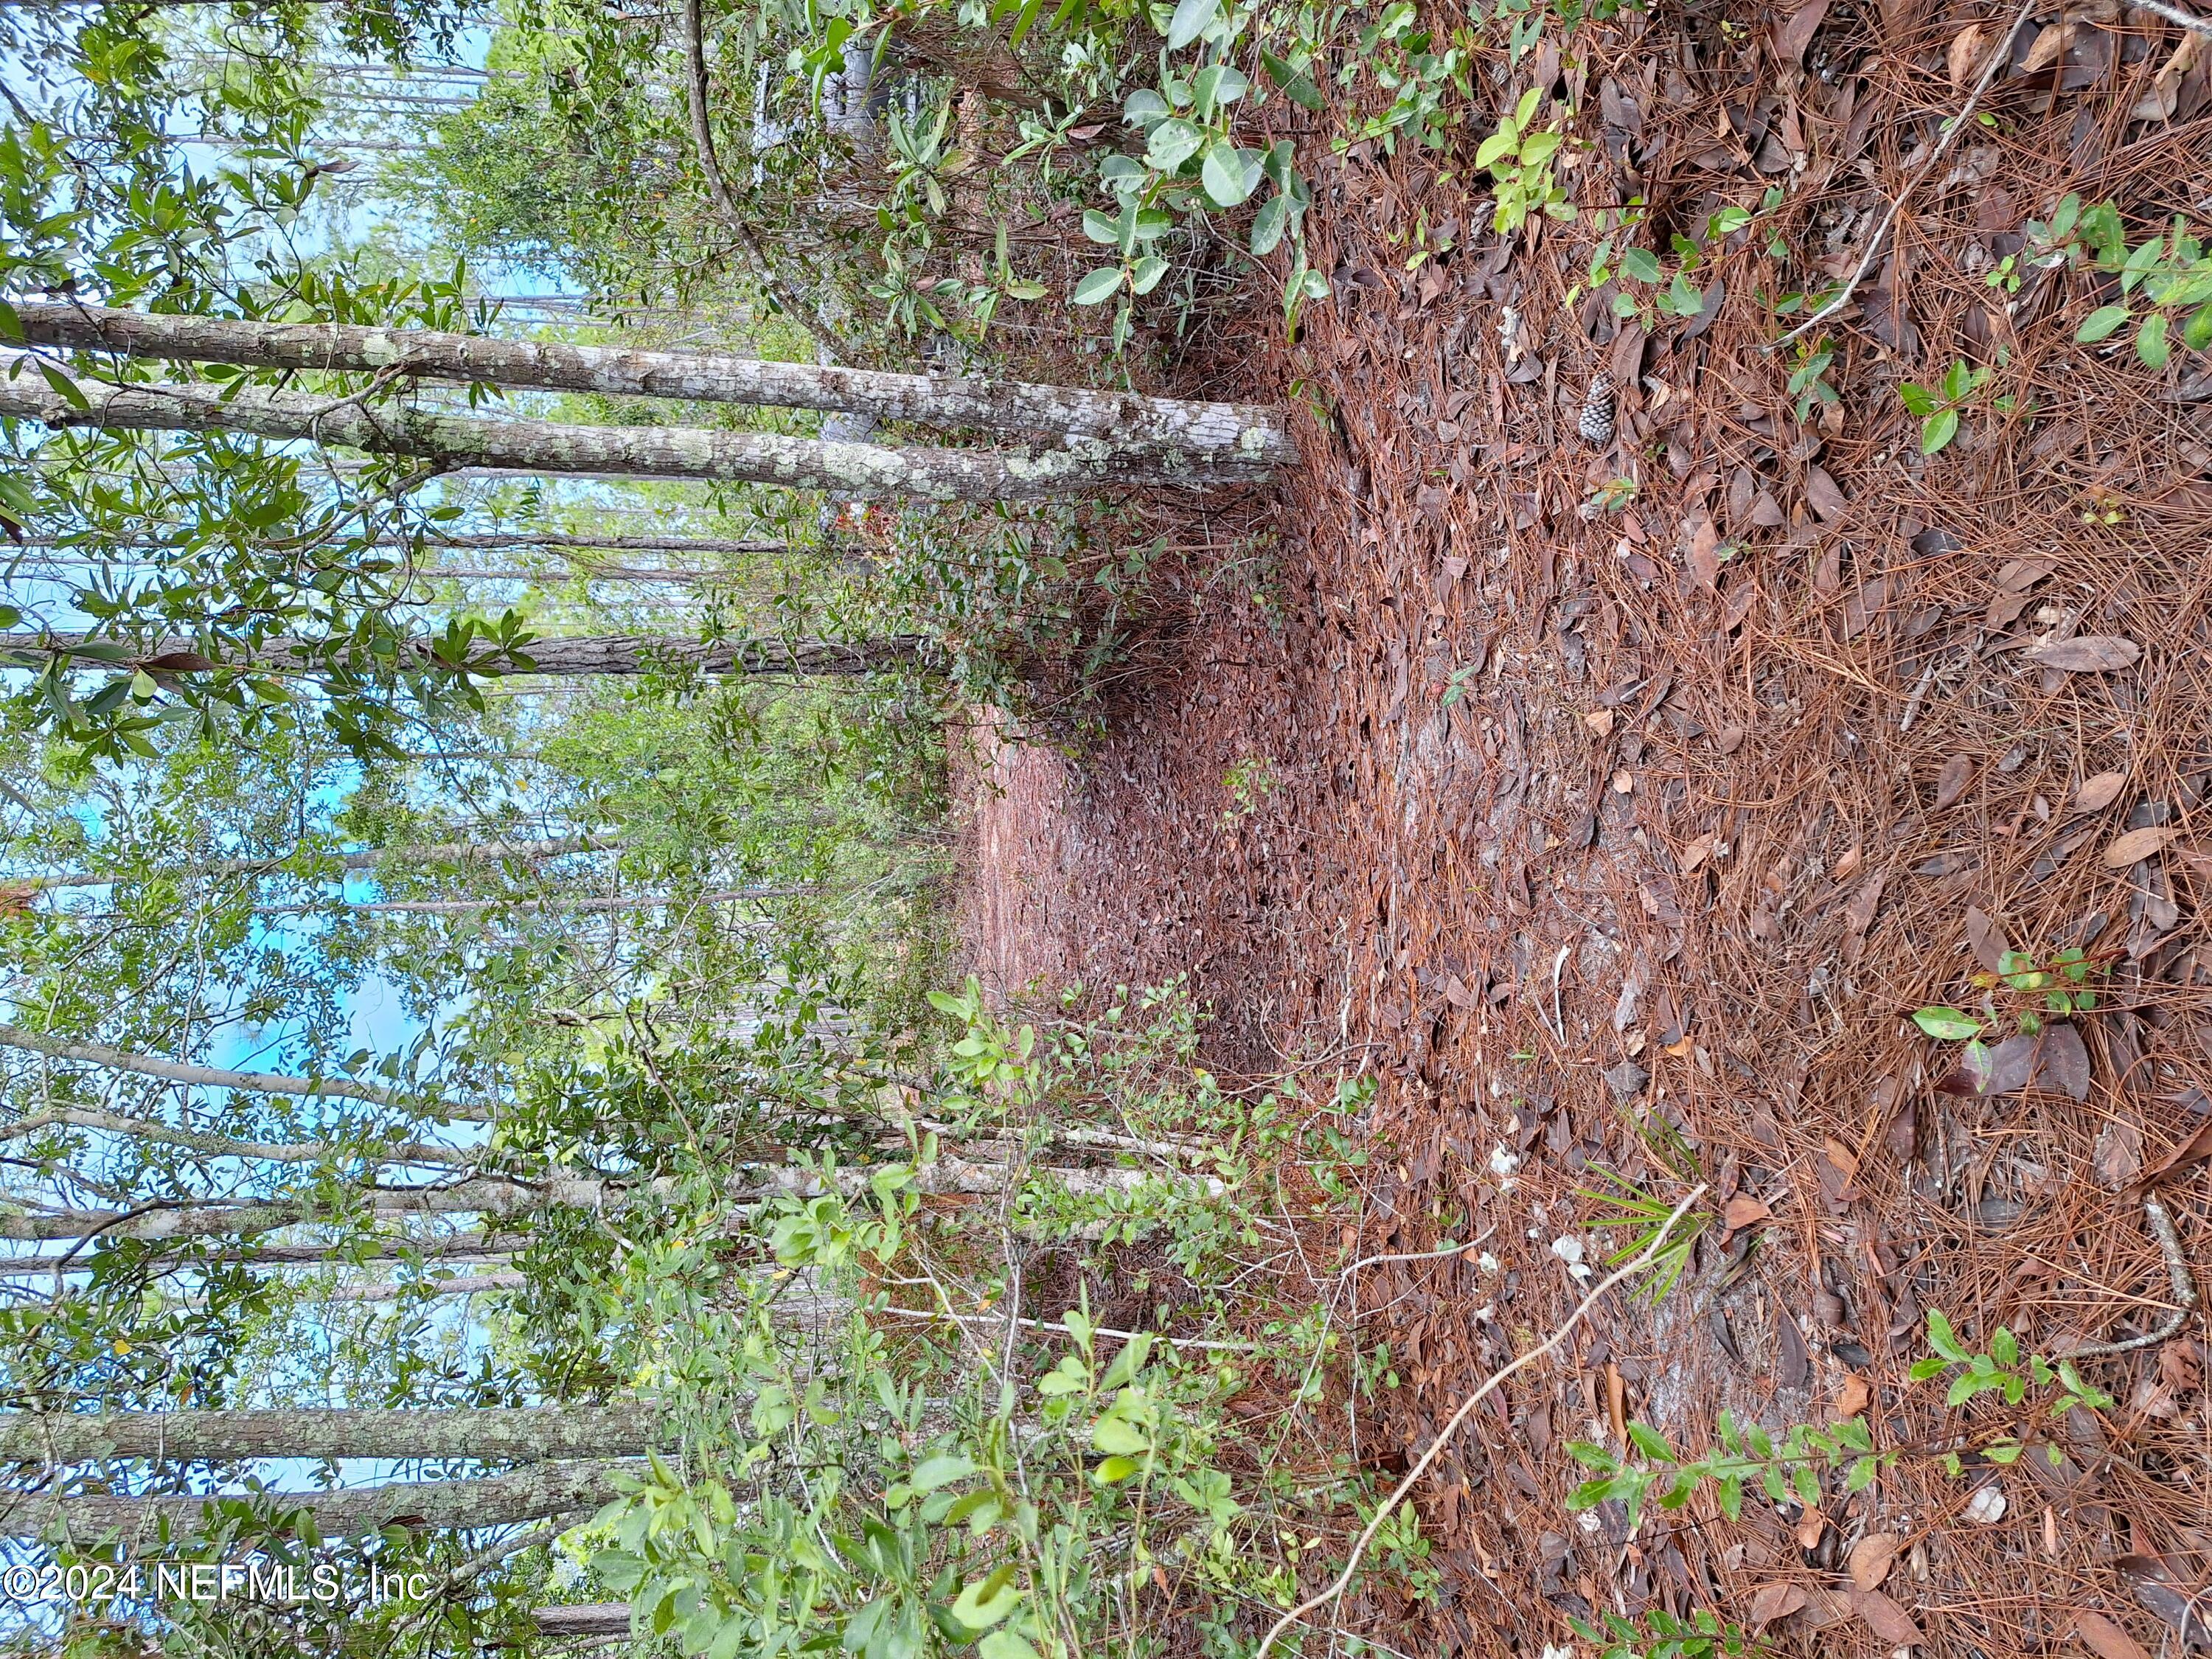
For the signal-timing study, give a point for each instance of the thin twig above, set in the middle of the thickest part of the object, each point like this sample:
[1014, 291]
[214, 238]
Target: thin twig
[1335, 1591]
[2176, 1269]
[2175, 14]
[1999, 54]
[702, 137]
[1417, 1256]
[1559, 1018]
[1054, 1325]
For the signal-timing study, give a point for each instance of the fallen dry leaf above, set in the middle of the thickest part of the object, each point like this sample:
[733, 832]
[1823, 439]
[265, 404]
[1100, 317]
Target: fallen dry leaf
[1600, 721]
[1772, 1601]
[1985, 937]
[1743, 1211]
[1698, 852]
[2049, 43]
[1951, 783]
[2118, 1156]
[1796, 34]
[1965, 56]
[2091, 654]
[1871, 1557]
[1842, 1157]
[1885, 1618]
[2104, 1638]
[2199, 1145]
[1810, 1526]
[2055, 1060]
[1705, 559]
[1853, 1395]
[2098, 793]
[1728, 739]
[2137, 845]
[1823, 495]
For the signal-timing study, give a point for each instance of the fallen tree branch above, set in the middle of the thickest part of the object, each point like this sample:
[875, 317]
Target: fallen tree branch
[1335, 1591]
[2185, 1288]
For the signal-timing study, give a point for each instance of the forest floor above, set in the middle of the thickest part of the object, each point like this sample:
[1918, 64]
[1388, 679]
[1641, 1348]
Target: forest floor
[1737, 776]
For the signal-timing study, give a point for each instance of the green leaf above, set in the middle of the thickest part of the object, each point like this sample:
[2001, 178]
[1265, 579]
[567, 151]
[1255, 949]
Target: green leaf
[65, 388]
[2151, 343]
[1268, 225]
[2102, 325]
[1144, 110]
[1192, 19]
[1230, 174]
[985, 1602]
[1502, 142]
[1917, 399]
[1642, 263]
[1003, 1644]
[1098, 286]
[1937, 431]
[1103, 228]
[1145, 275]
[1173, 142]
[1113, 1433]
[1945, 1025]
[2196, 332]
[941, 1470]
[1652, 1444]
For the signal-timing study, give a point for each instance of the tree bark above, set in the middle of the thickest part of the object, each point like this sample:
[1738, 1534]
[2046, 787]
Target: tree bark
[489, 1195]
[583, 1619]
[603, 654]
[251, 1082]
[529, 1494]
[861, 470]
[452, 852]
[217, 1145]
[459, 1285]
[534, 1434]
[505, 540]
[456, 1247]
[476, 906]
[496, 1196]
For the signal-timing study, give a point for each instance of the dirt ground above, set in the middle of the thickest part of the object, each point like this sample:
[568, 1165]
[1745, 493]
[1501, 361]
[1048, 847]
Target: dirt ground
[1622, 829]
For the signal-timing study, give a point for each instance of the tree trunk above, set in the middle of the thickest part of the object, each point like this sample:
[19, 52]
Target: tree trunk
[583, 1619]
[217, 1145]
[457, 440]
[506, 539]
[604, 653]
[456, 1247]
[533, 1434]
[459, 1285]
[1247, 431]
[251, 1082]
[452, 852]
[529, 1494]
[489, 1195]
[494, 1195]
[477, 907]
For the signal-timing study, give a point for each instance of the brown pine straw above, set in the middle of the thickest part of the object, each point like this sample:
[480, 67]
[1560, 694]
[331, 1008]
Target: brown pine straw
[1641, 1260]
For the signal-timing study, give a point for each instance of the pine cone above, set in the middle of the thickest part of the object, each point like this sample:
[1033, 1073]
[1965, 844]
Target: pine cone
[1595, 423]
